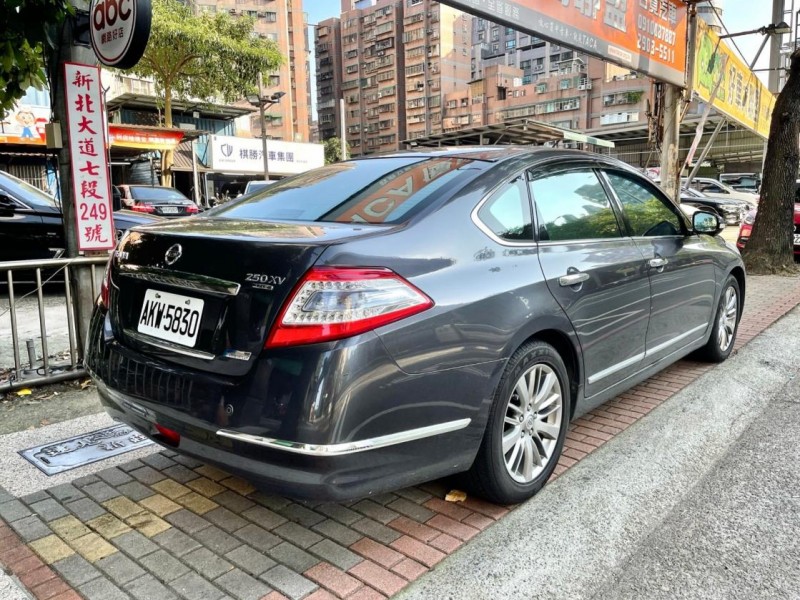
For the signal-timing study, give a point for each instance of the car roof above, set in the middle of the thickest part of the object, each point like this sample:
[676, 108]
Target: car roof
[496, 154]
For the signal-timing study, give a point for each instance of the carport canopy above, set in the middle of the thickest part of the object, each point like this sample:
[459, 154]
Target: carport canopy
[521, 131]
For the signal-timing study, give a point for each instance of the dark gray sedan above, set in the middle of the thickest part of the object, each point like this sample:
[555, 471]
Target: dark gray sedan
[381, 322]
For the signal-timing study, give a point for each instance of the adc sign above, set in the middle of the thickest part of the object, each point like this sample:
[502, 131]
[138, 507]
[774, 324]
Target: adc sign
[119, 31]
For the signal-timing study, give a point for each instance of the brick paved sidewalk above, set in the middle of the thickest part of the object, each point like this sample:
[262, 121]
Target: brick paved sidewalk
[167, 526]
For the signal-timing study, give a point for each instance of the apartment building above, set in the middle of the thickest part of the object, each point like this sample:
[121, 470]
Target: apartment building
[397, 59]
[283, 22]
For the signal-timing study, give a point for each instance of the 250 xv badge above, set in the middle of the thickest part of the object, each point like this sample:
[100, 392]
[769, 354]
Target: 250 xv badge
[263, 281]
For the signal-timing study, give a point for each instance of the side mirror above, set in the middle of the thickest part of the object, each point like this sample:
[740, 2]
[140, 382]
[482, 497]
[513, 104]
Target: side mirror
[116, 199]
[7, 205]
[705, 222]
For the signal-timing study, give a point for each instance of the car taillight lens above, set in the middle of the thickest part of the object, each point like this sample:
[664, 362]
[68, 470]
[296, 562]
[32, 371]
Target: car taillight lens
[105, 287]
[750, 218]
[192, 209]
[331, 303]
[144, 208]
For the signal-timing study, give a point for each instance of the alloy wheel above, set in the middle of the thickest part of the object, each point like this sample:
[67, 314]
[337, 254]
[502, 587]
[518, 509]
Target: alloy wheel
[532, 423]
[726, 323]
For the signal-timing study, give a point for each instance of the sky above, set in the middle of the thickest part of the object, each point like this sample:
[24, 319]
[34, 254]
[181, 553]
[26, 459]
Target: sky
[737, 15]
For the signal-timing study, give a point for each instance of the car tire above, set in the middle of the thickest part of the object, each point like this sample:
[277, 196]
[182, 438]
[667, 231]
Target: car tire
[726, 324]
[525, 432]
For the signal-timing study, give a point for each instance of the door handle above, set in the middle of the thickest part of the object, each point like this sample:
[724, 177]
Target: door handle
[658, 263]
[572, 279]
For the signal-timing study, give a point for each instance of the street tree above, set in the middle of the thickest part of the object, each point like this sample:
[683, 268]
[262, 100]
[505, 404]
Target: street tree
[26, 36]
[204, 56]
[333, 150]
[769, 249]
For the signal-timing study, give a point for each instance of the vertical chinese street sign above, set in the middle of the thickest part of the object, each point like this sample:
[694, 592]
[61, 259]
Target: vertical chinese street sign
[648, 36]
[88, 151]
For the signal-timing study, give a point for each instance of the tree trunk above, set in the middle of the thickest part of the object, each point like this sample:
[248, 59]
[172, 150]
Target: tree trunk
[769, 249]
[166, 155]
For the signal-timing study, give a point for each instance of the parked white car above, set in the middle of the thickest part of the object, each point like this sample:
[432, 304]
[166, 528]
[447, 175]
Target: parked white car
[717, 189]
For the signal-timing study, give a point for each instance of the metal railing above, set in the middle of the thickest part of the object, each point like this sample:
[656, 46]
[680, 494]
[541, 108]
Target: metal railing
[51, 368]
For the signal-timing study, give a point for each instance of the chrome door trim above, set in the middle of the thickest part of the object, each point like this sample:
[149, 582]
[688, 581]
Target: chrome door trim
[347, 447]
[675, 340]
[614, 368]
[164, 345]
[648, 352]
[201, 283]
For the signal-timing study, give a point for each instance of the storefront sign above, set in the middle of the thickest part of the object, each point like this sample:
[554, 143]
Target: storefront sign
[648, 36]
[741, 95]
[244, 155]
[119, 31]
[132, 137]
[25, 125]
[89, 154]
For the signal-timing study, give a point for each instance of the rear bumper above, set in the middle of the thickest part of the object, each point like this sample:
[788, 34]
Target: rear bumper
[375, 429]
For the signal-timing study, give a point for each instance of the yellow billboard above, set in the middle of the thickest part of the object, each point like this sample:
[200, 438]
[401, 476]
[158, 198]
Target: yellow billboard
[740, 96]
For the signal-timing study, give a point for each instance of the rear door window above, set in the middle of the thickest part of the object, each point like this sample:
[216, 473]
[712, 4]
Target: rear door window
[573, 205]
[379, 190]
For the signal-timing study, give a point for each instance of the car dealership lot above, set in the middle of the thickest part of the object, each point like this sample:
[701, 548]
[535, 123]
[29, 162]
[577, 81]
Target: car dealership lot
[164, 525]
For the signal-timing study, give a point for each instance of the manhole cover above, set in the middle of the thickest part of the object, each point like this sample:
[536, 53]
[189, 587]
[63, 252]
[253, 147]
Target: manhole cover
[85, 449]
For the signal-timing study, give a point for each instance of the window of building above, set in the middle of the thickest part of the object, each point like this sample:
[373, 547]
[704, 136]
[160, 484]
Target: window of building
[573, 206]
[511, 44]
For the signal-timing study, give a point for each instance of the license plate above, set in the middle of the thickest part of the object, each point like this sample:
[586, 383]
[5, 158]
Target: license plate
[171, 317]
[797, 239]
[170, 210]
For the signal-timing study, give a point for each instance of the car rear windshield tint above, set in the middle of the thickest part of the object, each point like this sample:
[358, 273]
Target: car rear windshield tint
[160, 194]
[380, 190]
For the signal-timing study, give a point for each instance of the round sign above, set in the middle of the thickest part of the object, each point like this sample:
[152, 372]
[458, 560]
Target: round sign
[119, 31]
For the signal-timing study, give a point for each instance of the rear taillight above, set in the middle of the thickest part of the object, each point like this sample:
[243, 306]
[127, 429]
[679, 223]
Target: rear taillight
[192, 209]
[143, 208]
[105, 287]
[331, 303]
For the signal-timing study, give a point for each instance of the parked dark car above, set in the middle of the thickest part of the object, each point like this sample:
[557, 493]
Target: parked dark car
[31, 224]
[157, 200]
[384, 321]
[732, 211]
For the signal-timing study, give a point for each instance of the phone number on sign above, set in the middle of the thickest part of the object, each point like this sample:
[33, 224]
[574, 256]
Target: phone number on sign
[650, 46]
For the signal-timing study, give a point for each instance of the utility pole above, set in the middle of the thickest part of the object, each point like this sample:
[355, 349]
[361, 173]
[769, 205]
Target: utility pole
[342, 129]
[67, 51]
[263, 125]
[776, 61]
[671, 107]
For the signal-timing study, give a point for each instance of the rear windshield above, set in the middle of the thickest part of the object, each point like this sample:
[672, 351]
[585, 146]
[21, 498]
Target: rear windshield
[380, 190]
[162, 194]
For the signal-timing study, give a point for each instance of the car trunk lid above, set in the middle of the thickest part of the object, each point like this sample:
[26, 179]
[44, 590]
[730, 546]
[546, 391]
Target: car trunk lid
[204, 293]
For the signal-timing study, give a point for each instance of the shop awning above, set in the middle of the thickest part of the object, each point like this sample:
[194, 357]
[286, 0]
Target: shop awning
[182, 159]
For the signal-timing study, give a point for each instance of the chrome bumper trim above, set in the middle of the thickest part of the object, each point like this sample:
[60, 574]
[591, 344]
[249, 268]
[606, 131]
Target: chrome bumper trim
[347, 447]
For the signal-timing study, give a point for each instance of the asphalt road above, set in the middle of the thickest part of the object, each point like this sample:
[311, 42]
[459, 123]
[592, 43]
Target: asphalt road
[697, 500]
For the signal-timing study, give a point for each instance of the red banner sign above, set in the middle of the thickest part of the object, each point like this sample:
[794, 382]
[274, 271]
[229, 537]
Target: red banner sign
[87, 142]
[131, 137]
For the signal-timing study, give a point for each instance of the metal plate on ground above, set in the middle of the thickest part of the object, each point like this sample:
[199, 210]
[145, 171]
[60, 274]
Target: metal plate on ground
[57, 457]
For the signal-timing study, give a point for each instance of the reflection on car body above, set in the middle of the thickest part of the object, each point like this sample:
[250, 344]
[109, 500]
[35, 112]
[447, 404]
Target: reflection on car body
[429, 313]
